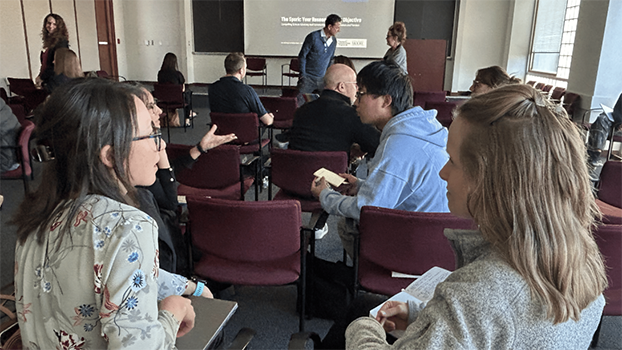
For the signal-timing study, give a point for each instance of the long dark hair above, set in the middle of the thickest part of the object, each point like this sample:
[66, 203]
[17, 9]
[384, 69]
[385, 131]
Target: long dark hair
[79, 119]
[50, 40]
[169, 62]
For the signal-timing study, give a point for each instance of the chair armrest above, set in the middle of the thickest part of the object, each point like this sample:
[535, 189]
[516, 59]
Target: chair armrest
[242, 339]
[299, 340]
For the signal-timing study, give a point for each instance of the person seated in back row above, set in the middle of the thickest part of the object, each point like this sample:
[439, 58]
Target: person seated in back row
[404, 172]
[231, 95]
[330, 123]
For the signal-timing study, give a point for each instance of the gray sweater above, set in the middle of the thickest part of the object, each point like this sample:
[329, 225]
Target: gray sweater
[484, 304]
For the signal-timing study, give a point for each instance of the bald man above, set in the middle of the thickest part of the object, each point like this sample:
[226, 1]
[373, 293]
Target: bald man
[330, 123]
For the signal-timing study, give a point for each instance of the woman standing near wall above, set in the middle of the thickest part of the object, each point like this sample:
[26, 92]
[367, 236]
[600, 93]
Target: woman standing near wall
[395, 38]
[55, 36]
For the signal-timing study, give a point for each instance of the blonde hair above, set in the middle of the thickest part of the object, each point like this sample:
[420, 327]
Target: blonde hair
[531, 195]
[67, 62]
[495, 76]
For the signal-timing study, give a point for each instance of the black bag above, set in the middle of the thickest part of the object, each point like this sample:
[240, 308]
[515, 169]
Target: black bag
[330, 287]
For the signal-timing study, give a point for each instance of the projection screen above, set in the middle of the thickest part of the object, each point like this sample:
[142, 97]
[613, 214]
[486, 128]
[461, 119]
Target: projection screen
[279, 27]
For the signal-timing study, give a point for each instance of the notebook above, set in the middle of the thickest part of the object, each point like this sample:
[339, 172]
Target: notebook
[211, 317]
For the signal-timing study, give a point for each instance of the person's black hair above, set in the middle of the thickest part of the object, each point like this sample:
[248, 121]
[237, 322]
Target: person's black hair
[386, 78]
[332, 19]
[76, 122]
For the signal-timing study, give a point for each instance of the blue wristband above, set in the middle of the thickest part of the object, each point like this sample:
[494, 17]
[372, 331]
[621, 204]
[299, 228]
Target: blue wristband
[199, 290]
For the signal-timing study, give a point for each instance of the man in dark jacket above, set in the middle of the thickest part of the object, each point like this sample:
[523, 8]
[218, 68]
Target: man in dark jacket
[330, 123]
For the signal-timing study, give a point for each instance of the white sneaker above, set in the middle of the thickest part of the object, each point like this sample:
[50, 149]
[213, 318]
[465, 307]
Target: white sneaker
[319, 234]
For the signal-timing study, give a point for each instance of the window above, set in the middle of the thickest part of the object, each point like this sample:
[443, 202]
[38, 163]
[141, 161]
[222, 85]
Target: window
[553, 41]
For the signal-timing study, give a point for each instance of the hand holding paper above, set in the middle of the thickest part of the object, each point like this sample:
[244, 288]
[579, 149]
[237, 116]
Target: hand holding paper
[332, 178]
[393, 315]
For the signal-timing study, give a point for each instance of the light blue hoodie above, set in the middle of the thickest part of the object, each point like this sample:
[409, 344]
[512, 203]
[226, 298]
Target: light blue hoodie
[404, 172]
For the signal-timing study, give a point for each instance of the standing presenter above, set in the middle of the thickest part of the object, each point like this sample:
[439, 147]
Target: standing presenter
[316, 53]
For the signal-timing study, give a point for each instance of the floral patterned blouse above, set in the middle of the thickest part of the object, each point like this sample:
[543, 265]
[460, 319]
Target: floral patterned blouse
[97, 287]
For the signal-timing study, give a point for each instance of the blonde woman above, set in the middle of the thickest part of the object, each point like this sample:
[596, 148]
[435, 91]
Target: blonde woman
[531, 277]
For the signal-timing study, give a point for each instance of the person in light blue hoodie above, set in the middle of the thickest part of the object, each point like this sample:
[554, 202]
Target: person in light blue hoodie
[404, 172]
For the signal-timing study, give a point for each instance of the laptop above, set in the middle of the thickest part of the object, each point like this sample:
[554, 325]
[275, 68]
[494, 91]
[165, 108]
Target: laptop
[211, 317]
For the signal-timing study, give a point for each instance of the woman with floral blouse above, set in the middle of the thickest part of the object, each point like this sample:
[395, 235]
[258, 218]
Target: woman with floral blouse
[86, 262]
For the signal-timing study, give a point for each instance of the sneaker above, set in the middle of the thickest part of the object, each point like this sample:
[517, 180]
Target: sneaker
[319, 234]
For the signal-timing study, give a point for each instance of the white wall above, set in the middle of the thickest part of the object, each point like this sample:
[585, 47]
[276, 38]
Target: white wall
[151, 28]
[481, 39]
[14, 59]
[596, 60]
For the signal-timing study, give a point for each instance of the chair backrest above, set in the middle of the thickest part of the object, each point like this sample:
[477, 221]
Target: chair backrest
[219, 168]
[539, 86]
[21, 86]
[444, 111]
[610, 184]
[557, 93]
[244, 125]
[255, 63]
[245, 231]
[19, 111]
[547, 88]
[283, 109]
[102, 74]
[408, 242]
[294, 65]
[570, 100]
[531, 83]
[24, 142]
[609, 240]
[421, 97]
[169, 93]
[292, 171]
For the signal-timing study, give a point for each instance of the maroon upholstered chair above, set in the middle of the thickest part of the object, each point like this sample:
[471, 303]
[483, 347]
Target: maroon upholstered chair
[24, 171]
[401, 241]
[444, 111]
[612, 215]
[249, 131]
[547, 88]
[531, 83]
[421, 97]
[33, 97]
[250, 243]
[610, 184]
[609, 240]
[283, 109]
[540, 86]
[557, 94]
[292, 171]
[215, 174]
[19, 111]
[170, 97]
[571, 100]
[293, 70]
[257, 67]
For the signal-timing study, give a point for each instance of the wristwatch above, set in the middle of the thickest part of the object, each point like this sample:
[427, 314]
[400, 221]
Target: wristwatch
[203, 151]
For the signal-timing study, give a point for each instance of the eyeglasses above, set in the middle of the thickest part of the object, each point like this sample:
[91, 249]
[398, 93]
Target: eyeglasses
[156, 136]
[476, 82]
[360, 94]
